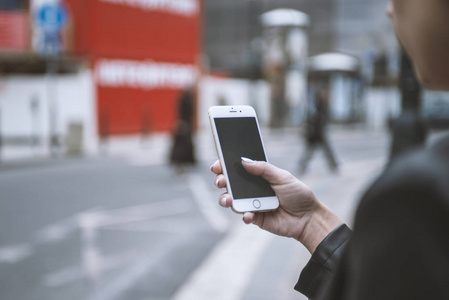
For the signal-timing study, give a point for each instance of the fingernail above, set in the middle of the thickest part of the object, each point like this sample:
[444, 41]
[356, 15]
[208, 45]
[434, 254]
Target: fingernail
[248, 161]
[223, 201]
[217, 181]
[211, 167]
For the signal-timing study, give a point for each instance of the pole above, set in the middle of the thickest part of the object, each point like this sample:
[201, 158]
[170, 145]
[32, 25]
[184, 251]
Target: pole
[52, 67]
[104, 129]
[34, 107]
[1, 140]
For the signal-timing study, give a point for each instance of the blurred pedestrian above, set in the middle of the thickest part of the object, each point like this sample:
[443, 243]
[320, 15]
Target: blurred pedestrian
[278, 104]
[315, 133]
[399, 248]
[182, 154]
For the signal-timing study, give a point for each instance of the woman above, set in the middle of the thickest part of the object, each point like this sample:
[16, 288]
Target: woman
[182, 153]
[399, 247]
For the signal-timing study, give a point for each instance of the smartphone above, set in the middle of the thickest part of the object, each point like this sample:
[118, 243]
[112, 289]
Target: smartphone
[237, 134]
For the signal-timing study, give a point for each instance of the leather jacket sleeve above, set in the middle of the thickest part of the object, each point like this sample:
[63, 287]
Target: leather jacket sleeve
[323, 262]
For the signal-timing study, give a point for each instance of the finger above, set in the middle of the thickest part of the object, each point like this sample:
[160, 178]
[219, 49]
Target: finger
[225, 200]
[220, 181]
[248, 218]
[216, 167]
[267, 171]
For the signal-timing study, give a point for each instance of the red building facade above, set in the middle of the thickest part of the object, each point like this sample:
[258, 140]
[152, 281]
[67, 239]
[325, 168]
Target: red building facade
[142, 53]
[14, 31]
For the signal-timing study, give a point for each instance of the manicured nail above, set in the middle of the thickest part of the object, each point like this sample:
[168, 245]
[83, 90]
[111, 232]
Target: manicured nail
[223, 201]
[248, 161]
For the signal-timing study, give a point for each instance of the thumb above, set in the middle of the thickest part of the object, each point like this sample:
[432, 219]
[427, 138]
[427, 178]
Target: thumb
[267, 171]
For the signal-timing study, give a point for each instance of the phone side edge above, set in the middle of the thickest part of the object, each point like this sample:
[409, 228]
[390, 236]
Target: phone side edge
[219, 152]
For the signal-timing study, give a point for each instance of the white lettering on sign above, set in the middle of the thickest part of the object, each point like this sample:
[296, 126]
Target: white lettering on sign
[181, 7]
[144, 74]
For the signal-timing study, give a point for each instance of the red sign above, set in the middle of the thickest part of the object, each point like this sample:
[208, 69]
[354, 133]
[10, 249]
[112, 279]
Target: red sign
[14, 30]
[143, 54]
[139, 96]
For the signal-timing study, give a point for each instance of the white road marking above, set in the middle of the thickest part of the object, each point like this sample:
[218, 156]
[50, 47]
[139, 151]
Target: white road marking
[15, 253]
[77, 273]
[61, 229]
[166, 226]
[227, 271]
[116, 287]
[206, 203]
[91, 223]
[98, 219]
[57, 232]
[62, 277]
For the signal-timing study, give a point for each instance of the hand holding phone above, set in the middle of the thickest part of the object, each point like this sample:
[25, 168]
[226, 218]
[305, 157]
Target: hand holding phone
[236, 134]
[300, 216]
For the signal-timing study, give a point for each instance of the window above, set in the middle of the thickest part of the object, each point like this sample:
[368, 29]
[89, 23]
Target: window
[13, 4]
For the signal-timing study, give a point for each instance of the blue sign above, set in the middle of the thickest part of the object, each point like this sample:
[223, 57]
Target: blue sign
[51, 16]
[49, 19]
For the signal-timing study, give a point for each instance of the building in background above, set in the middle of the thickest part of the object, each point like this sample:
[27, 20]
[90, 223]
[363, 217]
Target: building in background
[117, 66]
[17, 54]
[123, 62]
[14, 32]
[359, 28]
[142, 54]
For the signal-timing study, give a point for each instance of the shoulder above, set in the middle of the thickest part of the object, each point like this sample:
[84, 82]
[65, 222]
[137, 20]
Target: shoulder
[425, 169]
[401, 219]
[418, 181]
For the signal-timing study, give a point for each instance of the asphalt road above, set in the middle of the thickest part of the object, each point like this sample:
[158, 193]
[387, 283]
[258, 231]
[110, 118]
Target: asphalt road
[128, 227]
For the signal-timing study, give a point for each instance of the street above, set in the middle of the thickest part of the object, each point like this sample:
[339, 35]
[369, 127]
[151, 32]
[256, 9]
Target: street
[127, 226]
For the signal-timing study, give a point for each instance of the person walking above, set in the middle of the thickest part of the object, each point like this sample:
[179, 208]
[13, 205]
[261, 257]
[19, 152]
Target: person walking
[182, 153]
[315, 133]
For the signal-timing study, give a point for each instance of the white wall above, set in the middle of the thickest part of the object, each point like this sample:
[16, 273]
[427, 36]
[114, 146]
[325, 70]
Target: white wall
[74, 99]
[76, 102]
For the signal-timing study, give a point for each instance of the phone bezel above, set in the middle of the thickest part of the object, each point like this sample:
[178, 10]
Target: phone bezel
[239, 111]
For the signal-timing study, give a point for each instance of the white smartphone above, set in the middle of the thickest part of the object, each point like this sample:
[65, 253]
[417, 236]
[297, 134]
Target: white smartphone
[237, 134]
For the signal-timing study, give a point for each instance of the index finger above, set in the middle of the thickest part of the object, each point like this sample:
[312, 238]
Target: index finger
[216, 167]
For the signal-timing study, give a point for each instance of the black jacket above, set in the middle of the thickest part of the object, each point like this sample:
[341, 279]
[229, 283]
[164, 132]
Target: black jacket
[400, 245]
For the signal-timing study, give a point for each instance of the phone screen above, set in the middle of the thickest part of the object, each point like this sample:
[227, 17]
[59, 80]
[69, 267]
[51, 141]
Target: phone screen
[239, 137]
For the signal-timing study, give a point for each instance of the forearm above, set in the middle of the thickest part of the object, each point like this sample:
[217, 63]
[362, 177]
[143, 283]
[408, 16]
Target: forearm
[320, 223]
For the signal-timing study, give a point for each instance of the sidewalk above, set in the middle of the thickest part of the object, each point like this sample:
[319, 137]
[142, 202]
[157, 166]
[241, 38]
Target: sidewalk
[154, 148]
[157, 142]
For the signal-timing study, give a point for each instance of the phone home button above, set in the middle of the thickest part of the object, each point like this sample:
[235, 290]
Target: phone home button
[256, 203]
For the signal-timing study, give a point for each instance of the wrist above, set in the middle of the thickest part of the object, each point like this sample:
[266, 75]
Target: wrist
[321, 222]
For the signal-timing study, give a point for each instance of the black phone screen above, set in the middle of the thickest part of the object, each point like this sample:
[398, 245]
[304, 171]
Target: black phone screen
[239, 137]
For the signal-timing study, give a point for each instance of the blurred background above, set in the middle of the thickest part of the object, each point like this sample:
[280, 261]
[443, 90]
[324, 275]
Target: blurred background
[102, 100]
